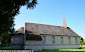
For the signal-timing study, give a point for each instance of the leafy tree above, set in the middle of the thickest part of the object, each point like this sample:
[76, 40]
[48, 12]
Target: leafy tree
[6, 38]
[10, 8]
[81, 41]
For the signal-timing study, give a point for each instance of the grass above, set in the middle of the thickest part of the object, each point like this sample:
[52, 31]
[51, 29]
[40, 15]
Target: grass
[64, 50]
[58, 50]
[5, 48]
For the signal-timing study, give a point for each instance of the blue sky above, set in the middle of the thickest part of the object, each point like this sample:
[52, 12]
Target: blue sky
[52, 11]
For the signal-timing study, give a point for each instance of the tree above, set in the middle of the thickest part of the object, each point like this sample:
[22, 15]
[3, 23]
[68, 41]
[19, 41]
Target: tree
[10, 8]
[6, 38]
[81, 41]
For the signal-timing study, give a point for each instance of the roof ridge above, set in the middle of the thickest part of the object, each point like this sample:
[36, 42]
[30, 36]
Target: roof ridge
[43, 24]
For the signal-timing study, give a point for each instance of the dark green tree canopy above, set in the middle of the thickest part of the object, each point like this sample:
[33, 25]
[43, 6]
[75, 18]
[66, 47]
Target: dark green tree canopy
[10, 8]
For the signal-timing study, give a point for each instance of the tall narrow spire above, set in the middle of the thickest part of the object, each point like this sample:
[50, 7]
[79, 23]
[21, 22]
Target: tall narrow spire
[64, 22]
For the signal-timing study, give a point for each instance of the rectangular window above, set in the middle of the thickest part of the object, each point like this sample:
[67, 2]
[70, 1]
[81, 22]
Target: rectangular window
[43, 39]
[69, 39]
[76, 40]
[61, 40]
[53, 39]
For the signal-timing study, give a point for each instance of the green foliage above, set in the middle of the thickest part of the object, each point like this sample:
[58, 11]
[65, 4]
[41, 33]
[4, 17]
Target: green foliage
[9, 9]
[82, 41]
[6, 38]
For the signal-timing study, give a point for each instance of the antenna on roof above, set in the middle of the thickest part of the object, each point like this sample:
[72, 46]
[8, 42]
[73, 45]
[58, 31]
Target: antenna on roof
[64, 22]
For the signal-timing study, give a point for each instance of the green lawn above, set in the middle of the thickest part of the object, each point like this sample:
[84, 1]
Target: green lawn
[5, 48]
[65, 50]
[56, 50]
[61, 50]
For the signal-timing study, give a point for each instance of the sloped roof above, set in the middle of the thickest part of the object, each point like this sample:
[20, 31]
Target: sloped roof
[20, 30]
[38, 29]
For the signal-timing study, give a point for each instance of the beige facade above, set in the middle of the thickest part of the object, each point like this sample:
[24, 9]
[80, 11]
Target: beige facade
[66, 42]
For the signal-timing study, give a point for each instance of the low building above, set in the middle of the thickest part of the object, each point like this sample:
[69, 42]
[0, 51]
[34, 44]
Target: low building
[42, 36]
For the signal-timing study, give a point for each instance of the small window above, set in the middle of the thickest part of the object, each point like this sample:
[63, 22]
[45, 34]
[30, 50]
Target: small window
[53, 39]
[43, 39]
[76, 40]
[69, 39]
[61, 40]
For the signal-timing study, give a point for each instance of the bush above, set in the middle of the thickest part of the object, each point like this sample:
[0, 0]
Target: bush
[83, 43]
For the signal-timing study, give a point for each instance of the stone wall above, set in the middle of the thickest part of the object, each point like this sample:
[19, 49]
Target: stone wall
[17, 41]
[58, 39]
[34, 45]
[38, 45]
